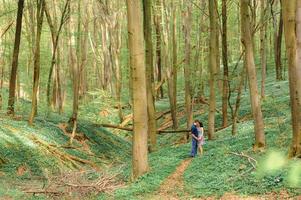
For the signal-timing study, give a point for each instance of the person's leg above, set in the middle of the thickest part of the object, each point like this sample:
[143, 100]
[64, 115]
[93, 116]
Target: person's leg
[193, 150]
[196, 147]
[201, 149]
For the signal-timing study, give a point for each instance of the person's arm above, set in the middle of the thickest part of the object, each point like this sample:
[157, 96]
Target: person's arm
[202, 134]
[194, 136]
[193, 130]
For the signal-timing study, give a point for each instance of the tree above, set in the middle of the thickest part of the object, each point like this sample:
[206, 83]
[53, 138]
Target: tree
[55, 34]
[213, 54]
[14, 69]
[251, 71]
[36, 75]
[152, 126]
[278, 32]
[158, 29]
[291, 10]
[225, 63]
[263, 38]
[187, 64]
[137, 61]
[173, 71]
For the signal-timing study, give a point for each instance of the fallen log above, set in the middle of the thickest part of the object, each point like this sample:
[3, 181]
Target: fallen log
[43, 192]
[174, 131]
[159, 115]
[114, 126]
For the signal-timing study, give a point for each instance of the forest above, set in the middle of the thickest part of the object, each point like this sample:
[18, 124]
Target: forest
[150, 99]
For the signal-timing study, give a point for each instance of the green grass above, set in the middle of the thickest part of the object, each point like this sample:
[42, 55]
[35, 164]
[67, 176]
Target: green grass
[216, 173]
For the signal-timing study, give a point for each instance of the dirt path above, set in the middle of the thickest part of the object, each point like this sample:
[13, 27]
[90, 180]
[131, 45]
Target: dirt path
[173, 187]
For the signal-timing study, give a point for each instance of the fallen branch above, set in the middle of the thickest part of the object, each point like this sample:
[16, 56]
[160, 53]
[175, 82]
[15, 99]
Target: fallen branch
[43, 192]
[63, 156]
[114, 126]
[248, 157]
[174, 131]
[159, 115]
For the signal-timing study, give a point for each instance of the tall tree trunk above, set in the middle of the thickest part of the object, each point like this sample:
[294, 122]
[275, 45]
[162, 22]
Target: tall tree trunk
[263, 36]
[158, 21]
[152, 127]
[237, 102]
[225, 64]
[174, 68]
[55, 39]
[213, 52]
[251, 71]
[75, 69]
[187, 66]
[137, 60]
[278, 45]
[14, 69]
[36, 75]
[292, 30]
[170, 60]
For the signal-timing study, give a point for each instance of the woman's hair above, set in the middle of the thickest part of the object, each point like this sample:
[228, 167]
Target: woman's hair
[201, 124]
[198, 121]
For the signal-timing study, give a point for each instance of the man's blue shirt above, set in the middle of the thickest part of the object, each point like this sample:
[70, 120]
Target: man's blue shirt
[194, 131]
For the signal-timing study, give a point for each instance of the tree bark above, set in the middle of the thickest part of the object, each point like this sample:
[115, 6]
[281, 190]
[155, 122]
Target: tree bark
[36, 72]
[75, 68]
[137, 61]
[237, 102]
[172, 82]
[158, 21]
[14, 69]
[152, 126]
[292, 30]
[251, 71]
[225, 64]
[213, 52]
[187, 65]
[278, 44]
[55, 34]
[263, 36]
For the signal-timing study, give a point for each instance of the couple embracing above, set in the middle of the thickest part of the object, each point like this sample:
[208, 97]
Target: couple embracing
[198, 140]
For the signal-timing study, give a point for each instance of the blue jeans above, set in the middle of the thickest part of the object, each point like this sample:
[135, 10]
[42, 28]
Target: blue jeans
[194, 147]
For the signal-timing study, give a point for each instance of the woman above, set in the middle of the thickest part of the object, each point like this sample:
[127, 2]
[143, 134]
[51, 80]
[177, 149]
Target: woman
[201, 138]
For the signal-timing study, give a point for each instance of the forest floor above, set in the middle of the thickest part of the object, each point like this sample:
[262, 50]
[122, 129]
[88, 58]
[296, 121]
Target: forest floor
[36, 162]
[173, 189]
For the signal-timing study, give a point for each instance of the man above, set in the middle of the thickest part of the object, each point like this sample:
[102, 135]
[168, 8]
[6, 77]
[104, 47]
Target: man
[195, 136]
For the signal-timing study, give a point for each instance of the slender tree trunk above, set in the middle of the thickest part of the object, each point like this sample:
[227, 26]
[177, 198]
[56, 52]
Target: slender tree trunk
[158, 21]
[55, 34]
[75, 69]
[212, 67]
[152, 127]
[36, 75]
[292, 31]
[172, 70]
[263, 43]
[237, 103]
[251, 71]
[14, 69]
[137, 60]
[225, 64]
[278, 45]
[187, 65]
